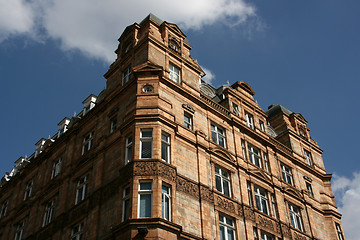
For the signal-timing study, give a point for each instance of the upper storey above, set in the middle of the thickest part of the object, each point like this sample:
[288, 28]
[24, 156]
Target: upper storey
[158, 44]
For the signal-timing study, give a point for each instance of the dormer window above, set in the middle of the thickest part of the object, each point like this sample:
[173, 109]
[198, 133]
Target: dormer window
[173, 45]
[63, 126]
[39, 146]
[89, 103]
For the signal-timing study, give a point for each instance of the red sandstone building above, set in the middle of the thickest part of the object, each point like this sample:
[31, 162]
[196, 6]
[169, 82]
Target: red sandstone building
[160, 154]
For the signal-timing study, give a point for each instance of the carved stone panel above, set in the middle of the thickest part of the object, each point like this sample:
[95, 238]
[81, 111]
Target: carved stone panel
[167, 172]
[286, 230]
[298, 236]
[240, 210]
[206, 194]
[225, 204]
[265, 222]
[144, 168]
[249, 213]
[187, 186]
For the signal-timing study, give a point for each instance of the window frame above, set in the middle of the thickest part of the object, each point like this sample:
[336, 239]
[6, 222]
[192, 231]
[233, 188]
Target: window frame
[261, 200]
[226, 226]
[126, 201]
[308, 158]
[128, 149]
[250, 194]
[78, 233]
[262, 125]
[166, 146]
[166, 196]
[266, 236]
[174, 73]
[28, 190]
[88, 142]
[4, 208]
[222, 179]
[126, 75]
[19, 232]
[146, 139]
[145, 192]
[113, 125]
[216, 132]
[188, 124]
[81, 189]
[295, 217]
[253, 155]
[309, 189]
[286, 175]
[56, 169]
[339, 231]
[49, 212]
[249, 120]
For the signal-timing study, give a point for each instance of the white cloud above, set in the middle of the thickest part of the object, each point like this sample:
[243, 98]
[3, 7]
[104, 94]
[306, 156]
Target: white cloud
[209, 77]
[347, 194]
[92, 26]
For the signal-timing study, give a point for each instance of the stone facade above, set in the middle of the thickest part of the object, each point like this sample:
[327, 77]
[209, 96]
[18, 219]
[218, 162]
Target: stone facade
[218, 154]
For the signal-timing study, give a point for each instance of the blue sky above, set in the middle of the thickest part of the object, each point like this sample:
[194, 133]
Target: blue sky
[301, 54]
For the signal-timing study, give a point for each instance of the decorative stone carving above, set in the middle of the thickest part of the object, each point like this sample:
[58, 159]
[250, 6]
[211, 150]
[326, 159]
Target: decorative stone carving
[187, 186]
[145, 168]
[225, 204]
[298, 236]
[286, 230]
[265, 222]
[167, 172]
[277, 228]
[206, 194]
[188, 107]
[240, 210]
[308, 178]
[249, 213]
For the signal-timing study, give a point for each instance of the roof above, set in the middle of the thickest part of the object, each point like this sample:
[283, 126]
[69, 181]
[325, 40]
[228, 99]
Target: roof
[277, 108]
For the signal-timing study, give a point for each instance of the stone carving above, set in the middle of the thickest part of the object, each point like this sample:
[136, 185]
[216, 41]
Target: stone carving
[297, 236]
[225, 204]
[266, 223]
[206, 194]
[277, 228]
[249, 213]
[145, 168]
[286, 230]
[308, 178]
[188, 107]
[167, 172]
[240, 210]
[187, 186]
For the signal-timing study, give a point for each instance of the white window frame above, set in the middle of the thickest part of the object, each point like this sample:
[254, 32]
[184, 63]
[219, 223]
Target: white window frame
[295, 217]
[339, 231]
[287, 174]
[188, 120]
[126, 203]
[249, 120]
[28, 189]
[266, 163]
[145, 192]
[236, 109]
[87, 142]
[262, 125]
[19, 230]
[218, 133]
[243, 149]
[261, 200]
[273, 204]
[49, 212]
[113, 125]
[56, 168]
[266, 236]
[309, 189]
[146, 139]
[308, 158]
[223, 177]
[256, 236]
[4, 207]
[128, 149]
[165, 146]
[228, 226]
[126, 75]
[77, 232]
[250, 195]
[254, 155]
[166, 197]
[174, 73]
[81, 189]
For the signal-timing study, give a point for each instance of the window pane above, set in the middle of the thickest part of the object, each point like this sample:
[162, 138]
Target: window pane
[146, 149]
[145, 205]
[218, 183]
[166, 189]
[226, 188]
[146, 186]
[164, 151]
[231, 234]
[222, 233]
[146, 133]
[126, 209]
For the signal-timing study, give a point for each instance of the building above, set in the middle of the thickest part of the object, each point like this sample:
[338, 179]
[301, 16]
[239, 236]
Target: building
[160, 154]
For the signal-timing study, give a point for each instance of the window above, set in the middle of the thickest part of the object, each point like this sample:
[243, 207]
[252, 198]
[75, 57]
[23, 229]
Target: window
[286, 174]
[4, 207]
[146, 143]
[81, 189]
[308, 158]
[227, 228]
[113, 125]
[266, 163]
[256, 237]
[273, 204]
[243, 149]
[309, 189]
[295, 217]
[19, 230]
[128, 150]
[339, 231]
[266, 236]
[173, 45]
[49, 212]
[174, 73]
[126, 75]
[76, 232]
[249, 120]
[147, 89]
[188, 121]
[218, 135]
[254, 155]
[165, 147]
[145, 200]
[126, 204]
[236, 109]
[262, 125]
[87, 142]
[28, 190]
[249, 194]
[261, 200]
[166, 202]
[222, 179]
[56, 168]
